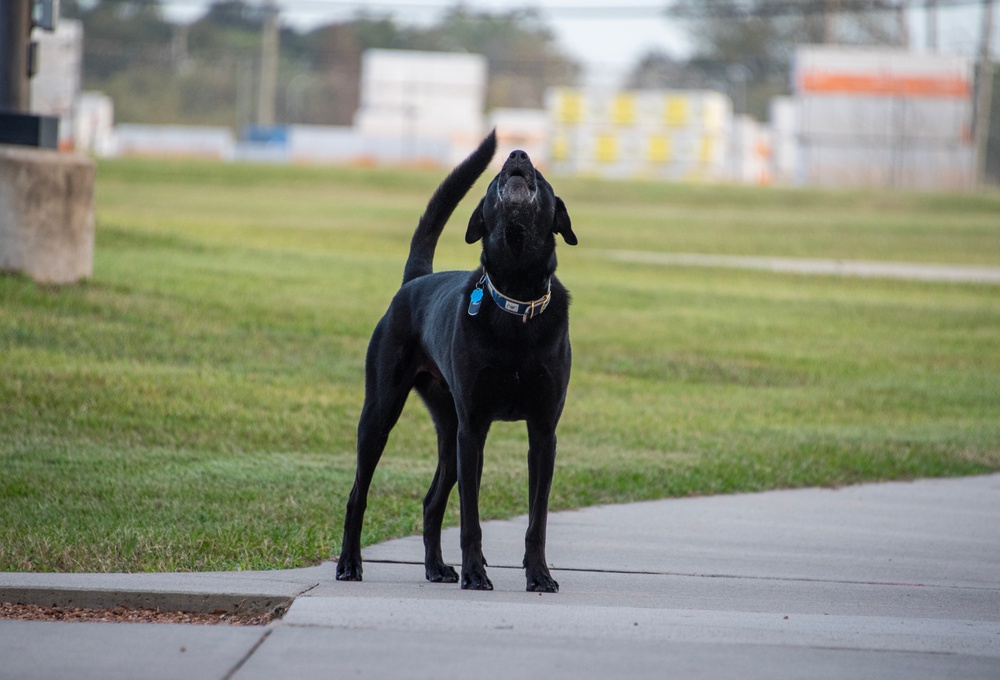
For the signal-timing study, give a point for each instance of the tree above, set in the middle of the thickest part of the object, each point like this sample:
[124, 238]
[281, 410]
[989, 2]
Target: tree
[749, 45]
[523, 57]
[993, 141]
[335, 59]
[658, 70]
[205, 72]
[521, 52]
[120, 35]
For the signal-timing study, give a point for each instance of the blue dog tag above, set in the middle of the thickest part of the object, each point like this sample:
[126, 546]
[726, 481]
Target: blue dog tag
[475, 300]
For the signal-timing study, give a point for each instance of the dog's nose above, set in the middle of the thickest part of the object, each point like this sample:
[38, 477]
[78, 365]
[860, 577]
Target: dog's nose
[519, 156]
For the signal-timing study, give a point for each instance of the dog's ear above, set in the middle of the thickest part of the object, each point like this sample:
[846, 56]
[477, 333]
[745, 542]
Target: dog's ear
[477, 226]
[561, 223]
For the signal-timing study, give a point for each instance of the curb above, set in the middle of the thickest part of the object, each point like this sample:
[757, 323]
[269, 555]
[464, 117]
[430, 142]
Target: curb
[194, 603]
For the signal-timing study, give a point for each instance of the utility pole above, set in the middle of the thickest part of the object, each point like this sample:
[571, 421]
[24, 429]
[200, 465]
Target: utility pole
[932, 18]
[15, 55]
[829, 21]
[18, 61]
[984, 95]
[902, 10]
[268, 65]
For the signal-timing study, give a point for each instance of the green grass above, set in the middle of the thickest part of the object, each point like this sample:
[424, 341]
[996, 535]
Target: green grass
[194, 405]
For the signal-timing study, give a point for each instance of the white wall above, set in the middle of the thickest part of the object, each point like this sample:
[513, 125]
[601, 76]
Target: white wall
[666, 134]
[409, 98]
[56, 85]
[884, 118]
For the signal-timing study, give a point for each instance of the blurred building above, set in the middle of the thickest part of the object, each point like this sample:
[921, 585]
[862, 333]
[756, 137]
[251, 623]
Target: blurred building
[857, 117]
[883, 118]
[525, 129]
[415, 108]
[93, 124]
[783, 119]
[750, 152]
[56, 84]
[659, 134]
[174, 141]
[410, 98]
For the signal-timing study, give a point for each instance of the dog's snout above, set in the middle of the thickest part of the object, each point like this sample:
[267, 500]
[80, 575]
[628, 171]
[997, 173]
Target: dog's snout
[517, 179]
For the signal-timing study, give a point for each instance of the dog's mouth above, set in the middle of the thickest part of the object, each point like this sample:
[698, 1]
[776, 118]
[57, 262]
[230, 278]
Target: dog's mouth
[518, 179]
[516, 189]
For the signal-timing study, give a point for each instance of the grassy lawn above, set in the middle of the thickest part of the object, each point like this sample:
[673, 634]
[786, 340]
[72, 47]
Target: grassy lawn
[194, 405]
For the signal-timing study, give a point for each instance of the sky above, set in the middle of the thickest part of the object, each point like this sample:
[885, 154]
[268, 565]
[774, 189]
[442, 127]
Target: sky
[606, 37]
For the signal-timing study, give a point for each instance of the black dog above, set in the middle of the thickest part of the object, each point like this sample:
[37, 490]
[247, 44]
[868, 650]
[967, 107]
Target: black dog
[475, 355]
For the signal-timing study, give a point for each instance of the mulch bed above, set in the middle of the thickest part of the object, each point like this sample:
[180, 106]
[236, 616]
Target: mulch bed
[33, 612]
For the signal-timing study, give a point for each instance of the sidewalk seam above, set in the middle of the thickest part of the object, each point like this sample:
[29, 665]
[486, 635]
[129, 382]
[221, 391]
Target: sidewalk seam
[246, 657]
[637, 572]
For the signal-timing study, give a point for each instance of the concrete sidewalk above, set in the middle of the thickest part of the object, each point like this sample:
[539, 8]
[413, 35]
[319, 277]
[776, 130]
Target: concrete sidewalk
[911, 271]
[883, 581]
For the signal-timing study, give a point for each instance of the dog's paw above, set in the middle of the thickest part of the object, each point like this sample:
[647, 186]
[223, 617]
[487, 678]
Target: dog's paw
[476, 580]
[349, 569]
[441, 573]
[542, 583]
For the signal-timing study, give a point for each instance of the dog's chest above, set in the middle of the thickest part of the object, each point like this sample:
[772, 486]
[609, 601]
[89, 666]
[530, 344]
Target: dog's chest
[511, 393]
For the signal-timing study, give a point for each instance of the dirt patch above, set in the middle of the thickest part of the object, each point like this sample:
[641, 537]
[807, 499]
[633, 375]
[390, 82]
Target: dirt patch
[34, 612]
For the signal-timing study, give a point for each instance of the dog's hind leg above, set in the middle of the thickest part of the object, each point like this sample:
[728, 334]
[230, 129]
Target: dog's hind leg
[372, 437]
[387, 384]
[442, 409]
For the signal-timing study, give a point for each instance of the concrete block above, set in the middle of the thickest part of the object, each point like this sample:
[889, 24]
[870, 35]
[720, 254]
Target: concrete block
[46, 214]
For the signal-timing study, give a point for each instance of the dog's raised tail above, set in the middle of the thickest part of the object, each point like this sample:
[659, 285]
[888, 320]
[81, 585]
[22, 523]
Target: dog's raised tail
[444, 201]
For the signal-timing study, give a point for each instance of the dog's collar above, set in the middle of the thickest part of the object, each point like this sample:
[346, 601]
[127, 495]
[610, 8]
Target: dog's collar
[525, 310]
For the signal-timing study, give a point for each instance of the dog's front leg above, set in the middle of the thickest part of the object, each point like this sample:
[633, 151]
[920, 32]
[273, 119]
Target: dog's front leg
[471, 441]
[541, 465]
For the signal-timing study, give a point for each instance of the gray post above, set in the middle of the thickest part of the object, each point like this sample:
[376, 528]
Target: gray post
[984, 95]
[46, 197]
[268, 65]
[932, 21]
[15, 34]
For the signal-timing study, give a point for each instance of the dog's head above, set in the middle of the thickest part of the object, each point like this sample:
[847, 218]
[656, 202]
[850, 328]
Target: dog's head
[520, 214]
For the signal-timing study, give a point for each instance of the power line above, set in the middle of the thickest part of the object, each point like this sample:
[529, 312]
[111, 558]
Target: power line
[603, 11]
[766, 9]
[610, 10]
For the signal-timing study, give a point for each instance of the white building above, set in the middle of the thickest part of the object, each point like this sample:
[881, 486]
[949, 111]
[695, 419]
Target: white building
[750, 152]
[662, 134]
[784, 120]
[56, 85]
[93, 124]
[179, 141]
[415, 101]
[524, 129]
[883, 118]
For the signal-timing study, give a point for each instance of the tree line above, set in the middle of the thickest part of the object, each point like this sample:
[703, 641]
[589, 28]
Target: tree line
[207, 71]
